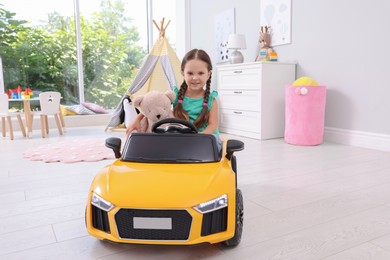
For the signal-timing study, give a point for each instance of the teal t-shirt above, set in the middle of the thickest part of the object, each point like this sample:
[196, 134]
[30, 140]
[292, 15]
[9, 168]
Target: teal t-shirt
[193, 106]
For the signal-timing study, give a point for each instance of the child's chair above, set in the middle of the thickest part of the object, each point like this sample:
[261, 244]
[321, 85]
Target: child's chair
[50, 106]
[5, 114]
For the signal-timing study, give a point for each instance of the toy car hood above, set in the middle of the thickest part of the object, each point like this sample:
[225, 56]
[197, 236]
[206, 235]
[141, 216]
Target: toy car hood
[149, 185]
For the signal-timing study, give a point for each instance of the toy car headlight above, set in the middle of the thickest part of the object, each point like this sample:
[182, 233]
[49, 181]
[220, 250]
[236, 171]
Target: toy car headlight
[212, 205]
[101, 203]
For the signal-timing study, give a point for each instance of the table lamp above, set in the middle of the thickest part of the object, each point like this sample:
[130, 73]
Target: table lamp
[236, 42]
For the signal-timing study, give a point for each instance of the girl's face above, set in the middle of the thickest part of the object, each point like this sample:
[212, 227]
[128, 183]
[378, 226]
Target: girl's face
[196, 74]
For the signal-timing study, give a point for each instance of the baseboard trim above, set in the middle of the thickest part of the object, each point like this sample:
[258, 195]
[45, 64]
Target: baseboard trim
[357, 138]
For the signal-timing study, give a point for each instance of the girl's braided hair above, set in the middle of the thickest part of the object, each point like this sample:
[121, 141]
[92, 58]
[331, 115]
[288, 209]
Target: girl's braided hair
[179, 112]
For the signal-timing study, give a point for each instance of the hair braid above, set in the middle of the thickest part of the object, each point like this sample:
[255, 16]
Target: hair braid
[178, 111]
[203, 117]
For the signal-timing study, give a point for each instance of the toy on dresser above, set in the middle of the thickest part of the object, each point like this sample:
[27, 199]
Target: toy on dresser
[266, 53]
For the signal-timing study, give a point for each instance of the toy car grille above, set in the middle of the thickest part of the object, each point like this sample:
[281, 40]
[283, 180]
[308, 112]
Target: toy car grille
[100, 219]
[180, 224]
[214, 222]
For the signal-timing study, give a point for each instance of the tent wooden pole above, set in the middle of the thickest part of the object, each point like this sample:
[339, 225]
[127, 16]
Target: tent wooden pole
[161, 28]
[154, 21]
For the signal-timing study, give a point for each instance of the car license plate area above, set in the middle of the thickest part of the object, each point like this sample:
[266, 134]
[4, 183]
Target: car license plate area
[180, 224]
[152, 223]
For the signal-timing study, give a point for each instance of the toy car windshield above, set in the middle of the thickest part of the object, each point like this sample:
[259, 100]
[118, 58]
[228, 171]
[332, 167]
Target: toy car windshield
[170, 148]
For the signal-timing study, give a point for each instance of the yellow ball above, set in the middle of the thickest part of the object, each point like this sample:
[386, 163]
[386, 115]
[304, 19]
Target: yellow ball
[305, 81]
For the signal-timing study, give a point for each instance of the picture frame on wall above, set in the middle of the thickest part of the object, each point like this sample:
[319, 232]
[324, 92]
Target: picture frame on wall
[277, 15]
[224, 25]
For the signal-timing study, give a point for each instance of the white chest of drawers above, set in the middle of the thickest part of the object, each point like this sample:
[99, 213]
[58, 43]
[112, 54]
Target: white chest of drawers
[251, 98]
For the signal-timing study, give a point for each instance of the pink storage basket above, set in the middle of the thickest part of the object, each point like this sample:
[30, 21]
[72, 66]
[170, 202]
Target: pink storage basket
[305, 115]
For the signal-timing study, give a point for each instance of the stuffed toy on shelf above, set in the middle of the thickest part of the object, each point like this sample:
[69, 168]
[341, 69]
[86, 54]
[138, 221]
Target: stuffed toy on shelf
[265, 42]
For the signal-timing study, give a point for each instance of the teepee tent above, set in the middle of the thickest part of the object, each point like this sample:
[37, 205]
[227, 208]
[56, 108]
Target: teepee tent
[160, 71]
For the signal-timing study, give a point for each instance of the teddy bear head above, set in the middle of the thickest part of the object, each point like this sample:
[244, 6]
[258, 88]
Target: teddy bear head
[264, 40]
[155, 105]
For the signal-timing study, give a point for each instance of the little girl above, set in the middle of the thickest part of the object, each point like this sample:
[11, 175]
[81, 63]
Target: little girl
[194, 102]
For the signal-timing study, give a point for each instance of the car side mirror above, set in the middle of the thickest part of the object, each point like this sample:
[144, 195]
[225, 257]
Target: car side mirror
[114, 143]
[233, 146]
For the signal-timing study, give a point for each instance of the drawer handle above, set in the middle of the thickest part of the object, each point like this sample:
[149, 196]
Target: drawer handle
[237, 71]
[237, 112]
[237, 92]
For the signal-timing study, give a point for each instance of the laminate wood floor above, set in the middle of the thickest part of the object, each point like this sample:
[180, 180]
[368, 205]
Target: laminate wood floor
[319, 202]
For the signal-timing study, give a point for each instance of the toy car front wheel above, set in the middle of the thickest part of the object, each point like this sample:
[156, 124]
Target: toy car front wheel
[234, 241]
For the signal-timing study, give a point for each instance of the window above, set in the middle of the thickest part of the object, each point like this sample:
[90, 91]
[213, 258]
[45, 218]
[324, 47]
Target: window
[114, 44]
[37, 46]
[41, 45]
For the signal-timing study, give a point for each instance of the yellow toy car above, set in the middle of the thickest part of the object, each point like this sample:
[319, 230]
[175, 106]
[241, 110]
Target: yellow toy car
[172, 186]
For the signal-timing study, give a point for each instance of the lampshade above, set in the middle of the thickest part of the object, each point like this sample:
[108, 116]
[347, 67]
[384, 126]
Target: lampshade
[236, 41]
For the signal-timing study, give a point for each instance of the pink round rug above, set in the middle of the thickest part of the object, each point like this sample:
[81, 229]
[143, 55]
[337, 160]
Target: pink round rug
[86, 150]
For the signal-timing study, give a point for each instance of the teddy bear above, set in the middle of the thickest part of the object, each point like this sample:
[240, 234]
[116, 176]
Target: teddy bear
[264, 42]
[154, 105]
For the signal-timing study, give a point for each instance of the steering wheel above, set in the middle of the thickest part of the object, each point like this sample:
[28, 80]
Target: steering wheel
[188, 127]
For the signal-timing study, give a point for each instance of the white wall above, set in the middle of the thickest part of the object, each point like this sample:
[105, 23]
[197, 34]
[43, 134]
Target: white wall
[341, 44]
